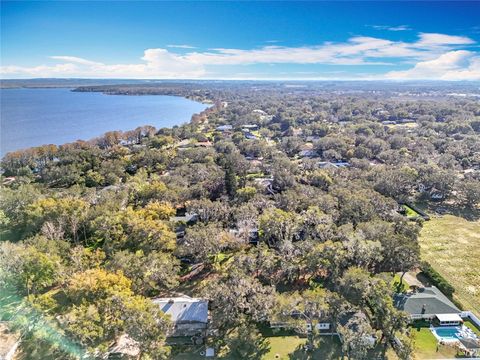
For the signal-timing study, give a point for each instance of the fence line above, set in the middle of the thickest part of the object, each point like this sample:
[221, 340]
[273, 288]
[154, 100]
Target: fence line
[471, 316]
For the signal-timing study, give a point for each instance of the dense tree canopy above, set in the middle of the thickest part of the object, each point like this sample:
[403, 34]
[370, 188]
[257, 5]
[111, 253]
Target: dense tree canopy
[295, 210]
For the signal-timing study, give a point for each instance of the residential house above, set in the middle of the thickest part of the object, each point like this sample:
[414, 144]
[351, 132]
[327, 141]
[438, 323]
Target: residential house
[184, 144]
[258, 111]
[426, 303]
[224, 128]
[205, 144]
[249, 127]
[308, 154]
[333, 165]
[250, 136]
[301, 323]
[188, 315]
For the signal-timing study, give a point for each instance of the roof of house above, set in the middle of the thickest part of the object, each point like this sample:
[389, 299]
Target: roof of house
[224, 127]
[308, 153]
[187, 218]
[338, 164]
[425, 301]
[470, 343]
[449, 317]
[184, 309]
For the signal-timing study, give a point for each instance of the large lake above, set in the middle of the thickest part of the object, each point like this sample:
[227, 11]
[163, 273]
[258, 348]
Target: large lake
[33, 117]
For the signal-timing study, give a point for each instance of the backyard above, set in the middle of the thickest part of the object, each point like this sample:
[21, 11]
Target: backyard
[451, 245]
[426, 345]
[291, 347]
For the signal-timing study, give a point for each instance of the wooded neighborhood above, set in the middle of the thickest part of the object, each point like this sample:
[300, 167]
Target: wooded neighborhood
[277, 212]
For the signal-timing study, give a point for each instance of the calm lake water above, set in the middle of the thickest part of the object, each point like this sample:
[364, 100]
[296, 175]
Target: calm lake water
[33, 117]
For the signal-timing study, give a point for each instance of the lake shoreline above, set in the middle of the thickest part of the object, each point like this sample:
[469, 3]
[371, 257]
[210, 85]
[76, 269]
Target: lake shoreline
[61, 117]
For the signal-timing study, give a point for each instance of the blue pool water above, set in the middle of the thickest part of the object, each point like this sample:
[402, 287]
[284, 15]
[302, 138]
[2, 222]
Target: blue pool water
[447, 333]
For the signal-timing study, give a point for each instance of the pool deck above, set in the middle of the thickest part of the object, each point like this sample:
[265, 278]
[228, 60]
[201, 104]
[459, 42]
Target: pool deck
[456, 332]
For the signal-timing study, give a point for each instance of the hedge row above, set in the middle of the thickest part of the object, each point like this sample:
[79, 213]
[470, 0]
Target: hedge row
[437, 279]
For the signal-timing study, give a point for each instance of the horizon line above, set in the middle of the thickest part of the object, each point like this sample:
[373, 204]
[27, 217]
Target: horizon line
[248, 79]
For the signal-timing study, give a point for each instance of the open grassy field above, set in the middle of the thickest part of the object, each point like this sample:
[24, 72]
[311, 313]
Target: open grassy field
[451, 245]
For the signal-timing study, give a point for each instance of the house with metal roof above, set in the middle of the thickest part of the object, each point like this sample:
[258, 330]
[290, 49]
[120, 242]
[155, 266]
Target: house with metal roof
[223, 128]
[425, 303]
[188, 315]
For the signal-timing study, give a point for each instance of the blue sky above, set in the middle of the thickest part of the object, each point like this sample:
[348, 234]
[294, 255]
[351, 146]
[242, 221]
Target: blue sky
[241, 40]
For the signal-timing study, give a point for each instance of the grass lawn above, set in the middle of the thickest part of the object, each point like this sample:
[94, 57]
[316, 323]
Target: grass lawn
[409, 212]
[282, 347]
[472, 326]
[291, 347]
[189, 356]
[451, 245]
[426, 346]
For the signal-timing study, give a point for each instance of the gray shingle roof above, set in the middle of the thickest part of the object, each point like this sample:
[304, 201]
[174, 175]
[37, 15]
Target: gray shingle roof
[184, 309]
[426, 301]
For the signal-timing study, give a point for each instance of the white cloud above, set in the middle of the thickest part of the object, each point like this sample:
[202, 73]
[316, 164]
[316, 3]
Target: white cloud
[181, 46]
[74, 59]
[453, 65]
[391, 28]
[157, 63]
[358, 50]
[432, 39]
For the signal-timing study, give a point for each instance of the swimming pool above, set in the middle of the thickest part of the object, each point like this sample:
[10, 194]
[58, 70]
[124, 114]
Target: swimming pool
[453, 333]
[447, 333]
